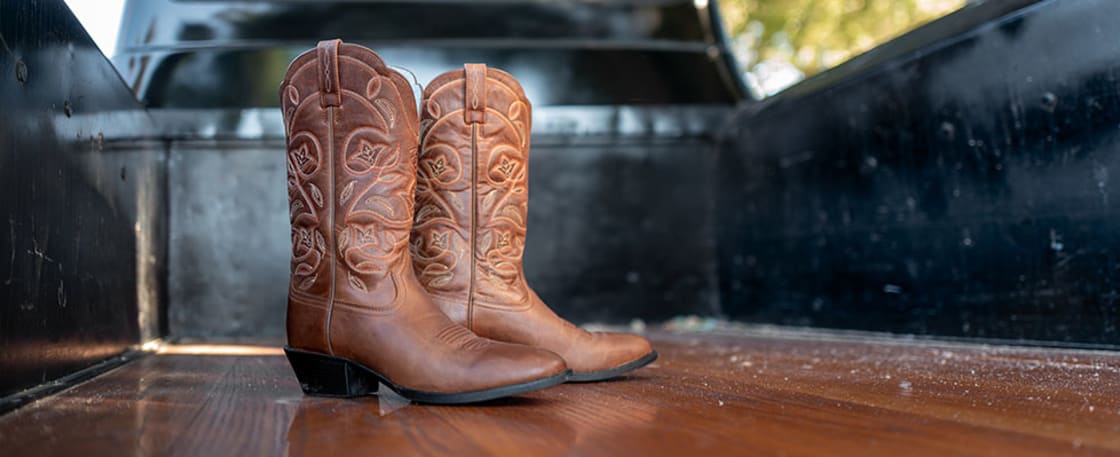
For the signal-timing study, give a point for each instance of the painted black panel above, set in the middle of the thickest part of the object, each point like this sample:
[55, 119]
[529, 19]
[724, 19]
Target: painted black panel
[229, 240]
[208, 79]
[82, 232]
[622, 229]
[220, 23]
[967, 188]
[232, 54]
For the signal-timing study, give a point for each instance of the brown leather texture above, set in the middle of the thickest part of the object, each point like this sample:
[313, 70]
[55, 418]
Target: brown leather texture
[471, 207]
[352, 132]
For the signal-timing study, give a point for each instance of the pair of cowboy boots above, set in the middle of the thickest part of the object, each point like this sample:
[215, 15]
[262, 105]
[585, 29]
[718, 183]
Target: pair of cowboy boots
[447, 317]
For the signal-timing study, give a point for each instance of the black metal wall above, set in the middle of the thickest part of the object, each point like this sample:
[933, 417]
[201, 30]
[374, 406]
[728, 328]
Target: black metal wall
[84, 225]
[231, 54]
[964, 187]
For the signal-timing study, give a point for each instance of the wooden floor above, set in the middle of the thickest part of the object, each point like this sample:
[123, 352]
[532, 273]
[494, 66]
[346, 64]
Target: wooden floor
[707, 396]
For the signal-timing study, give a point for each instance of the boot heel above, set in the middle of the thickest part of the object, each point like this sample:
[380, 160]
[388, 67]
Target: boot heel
[324, 375]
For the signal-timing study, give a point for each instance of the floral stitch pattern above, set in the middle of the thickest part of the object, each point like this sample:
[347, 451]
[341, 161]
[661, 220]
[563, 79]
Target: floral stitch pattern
[373, 178]
[500, 194]
[303, 162]
[377, 211]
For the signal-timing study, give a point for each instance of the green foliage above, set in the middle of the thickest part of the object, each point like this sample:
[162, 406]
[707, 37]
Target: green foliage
[814, 35]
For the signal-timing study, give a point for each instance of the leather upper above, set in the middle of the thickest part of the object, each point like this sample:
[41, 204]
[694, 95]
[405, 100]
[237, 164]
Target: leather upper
[352, 133]
[471, 213]
[488, 205]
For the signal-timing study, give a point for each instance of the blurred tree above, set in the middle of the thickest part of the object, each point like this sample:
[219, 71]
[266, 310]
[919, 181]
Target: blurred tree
[780, 42]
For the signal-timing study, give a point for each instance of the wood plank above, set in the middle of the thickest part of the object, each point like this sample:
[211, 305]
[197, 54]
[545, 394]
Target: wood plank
[708, 395]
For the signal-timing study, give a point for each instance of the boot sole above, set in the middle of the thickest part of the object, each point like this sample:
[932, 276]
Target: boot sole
[323, 375]
[613, 372]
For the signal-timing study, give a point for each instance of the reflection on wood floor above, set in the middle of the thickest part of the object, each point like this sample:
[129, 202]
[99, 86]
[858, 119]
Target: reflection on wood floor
[707, 395]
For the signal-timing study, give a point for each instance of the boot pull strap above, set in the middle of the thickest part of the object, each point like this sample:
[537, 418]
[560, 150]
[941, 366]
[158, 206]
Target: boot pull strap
[329, 84]
[474, 109]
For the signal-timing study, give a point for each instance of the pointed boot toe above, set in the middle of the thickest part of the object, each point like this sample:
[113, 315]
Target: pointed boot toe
[518, 363]
[620, 353]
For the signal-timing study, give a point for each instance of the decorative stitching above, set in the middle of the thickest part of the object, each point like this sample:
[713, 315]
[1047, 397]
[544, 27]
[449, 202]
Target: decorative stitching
[374, 179]
[442, 227]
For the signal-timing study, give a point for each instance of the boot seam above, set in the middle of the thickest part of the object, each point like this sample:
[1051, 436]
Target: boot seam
[474, 223]
[334, 259]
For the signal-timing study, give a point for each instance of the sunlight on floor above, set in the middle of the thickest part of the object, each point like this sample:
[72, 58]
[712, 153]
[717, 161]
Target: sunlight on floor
[216, 349]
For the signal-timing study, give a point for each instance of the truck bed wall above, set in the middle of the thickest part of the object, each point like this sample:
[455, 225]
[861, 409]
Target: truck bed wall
[963, 188]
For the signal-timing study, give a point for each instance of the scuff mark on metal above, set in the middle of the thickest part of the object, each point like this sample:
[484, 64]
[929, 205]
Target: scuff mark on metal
[61, 294]
[12, 260]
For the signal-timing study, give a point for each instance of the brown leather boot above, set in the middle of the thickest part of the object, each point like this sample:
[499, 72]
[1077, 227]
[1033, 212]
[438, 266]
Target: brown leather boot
[472, 199]
[356, 313]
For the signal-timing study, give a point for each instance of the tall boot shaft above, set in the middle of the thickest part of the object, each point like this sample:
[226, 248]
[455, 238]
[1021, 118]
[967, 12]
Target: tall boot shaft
[351, 166]
[474, 189]
[357, 316]
[471, 213]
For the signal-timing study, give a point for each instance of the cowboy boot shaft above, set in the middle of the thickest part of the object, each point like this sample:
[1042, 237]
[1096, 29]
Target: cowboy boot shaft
[351, 162]
[472, 197]
[471, 212]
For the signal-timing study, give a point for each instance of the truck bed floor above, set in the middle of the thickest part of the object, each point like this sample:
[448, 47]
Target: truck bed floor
[709, 395]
